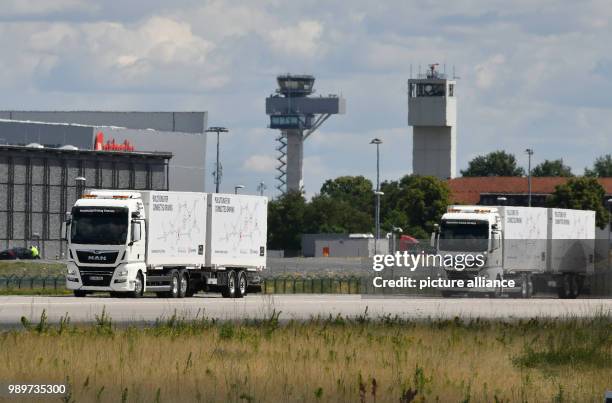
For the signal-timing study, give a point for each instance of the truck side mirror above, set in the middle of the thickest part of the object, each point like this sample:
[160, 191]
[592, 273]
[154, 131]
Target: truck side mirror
[64, 231]
[135, 231]
[434, 236]
[495, 240]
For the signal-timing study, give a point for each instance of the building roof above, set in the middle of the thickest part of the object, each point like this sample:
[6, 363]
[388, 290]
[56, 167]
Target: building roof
[467, 190]
[49, 150]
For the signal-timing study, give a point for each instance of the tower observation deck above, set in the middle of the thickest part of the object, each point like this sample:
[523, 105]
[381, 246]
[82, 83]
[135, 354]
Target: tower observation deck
[297, 116]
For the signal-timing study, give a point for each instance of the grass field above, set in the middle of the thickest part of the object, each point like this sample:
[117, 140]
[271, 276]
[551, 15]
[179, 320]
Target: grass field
[29, 268]
[333, 360]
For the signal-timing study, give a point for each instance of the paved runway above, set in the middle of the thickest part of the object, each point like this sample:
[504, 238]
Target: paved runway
[300, 307]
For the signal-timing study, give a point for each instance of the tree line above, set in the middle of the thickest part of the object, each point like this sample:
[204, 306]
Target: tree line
[415, 203]
[500, 163]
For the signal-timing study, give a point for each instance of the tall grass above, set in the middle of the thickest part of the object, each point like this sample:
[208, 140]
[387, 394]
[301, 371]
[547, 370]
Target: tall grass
[331, 359]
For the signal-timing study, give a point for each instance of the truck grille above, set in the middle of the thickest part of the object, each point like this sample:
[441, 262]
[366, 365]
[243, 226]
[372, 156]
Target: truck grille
[96, 276]
[97, 256]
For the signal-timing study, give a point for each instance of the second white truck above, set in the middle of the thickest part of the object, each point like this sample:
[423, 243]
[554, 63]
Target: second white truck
[551, 246]
[171, 243]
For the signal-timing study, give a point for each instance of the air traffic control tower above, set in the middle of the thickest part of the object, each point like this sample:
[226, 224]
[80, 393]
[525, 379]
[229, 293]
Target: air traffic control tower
[432, 112]
[297, 116]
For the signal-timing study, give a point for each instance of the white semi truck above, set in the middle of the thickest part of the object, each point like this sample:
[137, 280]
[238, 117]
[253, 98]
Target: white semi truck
[171, 243]
[551, 246]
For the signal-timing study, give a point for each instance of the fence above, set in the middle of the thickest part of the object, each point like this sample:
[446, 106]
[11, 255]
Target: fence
[14, 282]
[330, 285]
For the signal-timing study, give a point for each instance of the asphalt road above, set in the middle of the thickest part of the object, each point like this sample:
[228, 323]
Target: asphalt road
[300, 307]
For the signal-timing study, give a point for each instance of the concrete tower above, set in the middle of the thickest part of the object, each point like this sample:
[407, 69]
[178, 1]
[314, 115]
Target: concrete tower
[297, 116]
[432, 112]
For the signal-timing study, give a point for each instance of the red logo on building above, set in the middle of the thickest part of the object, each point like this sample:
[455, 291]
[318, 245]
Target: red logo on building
[110, 145]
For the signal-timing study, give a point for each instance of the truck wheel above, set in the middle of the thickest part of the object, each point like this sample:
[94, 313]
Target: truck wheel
[80, 293]
[498, 290]
[174, 284]
[565, 289]
[138, 287]
[526, 286]
[574, 287]
[241, 289]
[183, 284]
[229, 291]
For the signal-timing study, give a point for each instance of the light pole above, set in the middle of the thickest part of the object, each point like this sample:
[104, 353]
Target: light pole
[261, 188]
[529, 152]
[609, 202]
[217, 171]
[378, 193]
[395, 230]
[80, 186]
[238, 187]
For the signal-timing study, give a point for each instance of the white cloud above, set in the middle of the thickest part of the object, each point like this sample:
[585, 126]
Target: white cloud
[38, 7]
[301, 40]
[260, 163]
[486, 72]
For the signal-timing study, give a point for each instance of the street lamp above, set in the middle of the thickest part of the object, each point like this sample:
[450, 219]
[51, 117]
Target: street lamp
[609, 203]
[217, 170]
[378, 193]
[261, 188]
[395, 230]
[80, 185]
[529, 152]
[238, 187]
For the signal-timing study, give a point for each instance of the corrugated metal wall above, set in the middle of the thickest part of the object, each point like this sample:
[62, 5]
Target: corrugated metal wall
[38, 187]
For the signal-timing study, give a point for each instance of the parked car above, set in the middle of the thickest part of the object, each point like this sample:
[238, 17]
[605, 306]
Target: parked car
[17, 253]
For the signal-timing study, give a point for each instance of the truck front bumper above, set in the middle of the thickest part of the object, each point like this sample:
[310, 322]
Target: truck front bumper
[120, 279]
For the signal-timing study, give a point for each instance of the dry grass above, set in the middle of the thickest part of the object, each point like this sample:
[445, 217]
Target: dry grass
[333, 360]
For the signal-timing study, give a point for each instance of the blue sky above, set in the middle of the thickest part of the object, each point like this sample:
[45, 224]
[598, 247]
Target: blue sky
[532, 73]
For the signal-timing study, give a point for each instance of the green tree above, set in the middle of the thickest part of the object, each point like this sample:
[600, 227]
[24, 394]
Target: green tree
[582, 194]
[325, 214]
[286, 221]
[414, 203]
[602, 168]
[355, 190]
[496, 163]
[552, 168]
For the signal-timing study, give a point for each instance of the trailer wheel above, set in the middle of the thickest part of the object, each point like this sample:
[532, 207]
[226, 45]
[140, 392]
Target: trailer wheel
[174, 284]
[229, 291]
[80, 293]
[565, 289]
[526, 286]
[183, 284]
[241, 289]
[498, 290]
[574, 287]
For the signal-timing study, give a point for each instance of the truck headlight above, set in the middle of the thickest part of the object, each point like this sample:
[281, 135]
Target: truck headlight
[122, 273]
[72, 271]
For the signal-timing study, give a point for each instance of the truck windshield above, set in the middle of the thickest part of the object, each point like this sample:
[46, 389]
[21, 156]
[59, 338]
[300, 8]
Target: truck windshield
[464, 235]
[99, 225]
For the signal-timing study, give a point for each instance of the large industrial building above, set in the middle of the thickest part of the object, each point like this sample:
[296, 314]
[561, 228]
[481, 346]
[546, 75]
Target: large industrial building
[42, 153]
[180, 133]
[39, 185]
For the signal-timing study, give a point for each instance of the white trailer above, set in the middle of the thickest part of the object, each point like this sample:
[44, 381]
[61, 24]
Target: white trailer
[171, 243]
[549, 246]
